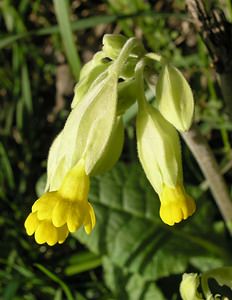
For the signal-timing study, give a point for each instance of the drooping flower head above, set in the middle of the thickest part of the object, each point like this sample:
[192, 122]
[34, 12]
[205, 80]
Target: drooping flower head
[84, 147]
[160, 155]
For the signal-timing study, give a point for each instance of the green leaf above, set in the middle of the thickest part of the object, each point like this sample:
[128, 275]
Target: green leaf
[130, 232]
[62, 14]
[26, 88]
[6, 166]
[128, 286]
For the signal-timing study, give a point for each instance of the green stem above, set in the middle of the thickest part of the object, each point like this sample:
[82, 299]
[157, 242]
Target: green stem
[124, 54]
[209, 166]
[139, 78]
[154, 56]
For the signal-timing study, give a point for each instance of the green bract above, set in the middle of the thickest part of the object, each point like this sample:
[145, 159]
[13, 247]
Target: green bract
[174, 98]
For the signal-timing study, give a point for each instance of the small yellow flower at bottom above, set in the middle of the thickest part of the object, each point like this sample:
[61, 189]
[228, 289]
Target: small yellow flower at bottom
[176, 205]
[57, 213]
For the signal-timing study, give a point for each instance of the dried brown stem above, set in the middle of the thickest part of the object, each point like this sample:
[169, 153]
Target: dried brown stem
[216, 33]
[208, 164]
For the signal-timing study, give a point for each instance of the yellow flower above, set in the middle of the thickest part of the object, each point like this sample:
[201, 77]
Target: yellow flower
[160, 154]
[176, 205]
[57, 213]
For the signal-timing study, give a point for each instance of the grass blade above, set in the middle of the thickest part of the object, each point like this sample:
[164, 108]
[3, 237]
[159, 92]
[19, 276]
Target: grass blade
[62, 14]
[57, 280]
[26, 88]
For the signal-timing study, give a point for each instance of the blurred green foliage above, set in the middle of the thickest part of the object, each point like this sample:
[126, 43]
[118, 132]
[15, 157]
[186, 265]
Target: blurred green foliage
[130, 254]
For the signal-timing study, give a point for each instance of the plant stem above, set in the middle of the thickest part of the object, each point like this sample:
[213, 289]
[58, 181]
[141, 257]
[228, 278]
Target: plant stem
[208, 164]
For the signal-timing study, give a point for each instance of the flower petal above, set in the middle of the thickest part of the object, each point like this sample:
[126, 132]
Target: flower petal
[176, 205]
[45, 204]
[31, 223]
[40, 233]
[90, 219]
[62, 233]
[75, 217]
[60, 212]
[51, 234]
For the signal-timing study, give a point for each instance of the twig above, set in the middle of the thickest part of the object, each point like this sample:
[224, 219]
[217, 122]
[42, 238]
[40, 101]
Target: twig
[207, 162]
[216, 33]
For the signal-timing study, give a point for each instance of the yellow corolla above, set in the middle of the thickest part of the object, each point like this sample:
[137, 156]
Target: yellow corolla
[56, 213]
[176, 205]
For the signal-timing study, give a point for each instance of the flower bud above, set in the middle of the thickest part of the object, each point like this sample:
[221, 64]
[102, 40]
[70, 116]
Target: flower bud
[174, 98]
[188, 287]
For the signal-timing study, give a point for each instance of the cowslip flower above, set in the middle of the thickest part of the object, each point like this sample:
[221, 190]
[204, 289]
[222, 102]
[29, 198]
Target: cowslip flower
[57, 213]
[84, 147]
[160, 155]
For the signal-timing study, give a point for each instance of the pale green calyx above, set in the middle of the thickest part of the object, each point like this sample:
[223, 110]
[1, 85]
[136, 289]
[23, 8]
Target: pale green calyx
[174, 98]
[188, 287]
[158, 148]
[192, 282]
[92, 127]
[113, 149]
[86, 131]
[112, 44]
[89, 76]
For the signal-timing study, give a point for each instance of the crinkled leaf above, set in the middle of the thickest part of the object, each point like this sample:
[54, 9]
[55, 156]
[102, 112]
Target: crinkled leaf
[129, 231]
[128, 286]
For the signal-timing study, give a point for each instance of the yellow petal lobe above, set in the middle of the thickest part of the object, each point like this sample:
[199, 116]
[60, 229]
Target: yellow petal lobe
[31, 223]
[176, 205]
[90, 219]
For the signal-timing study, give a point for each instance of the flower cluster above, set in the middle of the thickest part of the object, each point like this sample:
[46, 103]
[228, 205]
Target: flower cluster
[92, 138]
